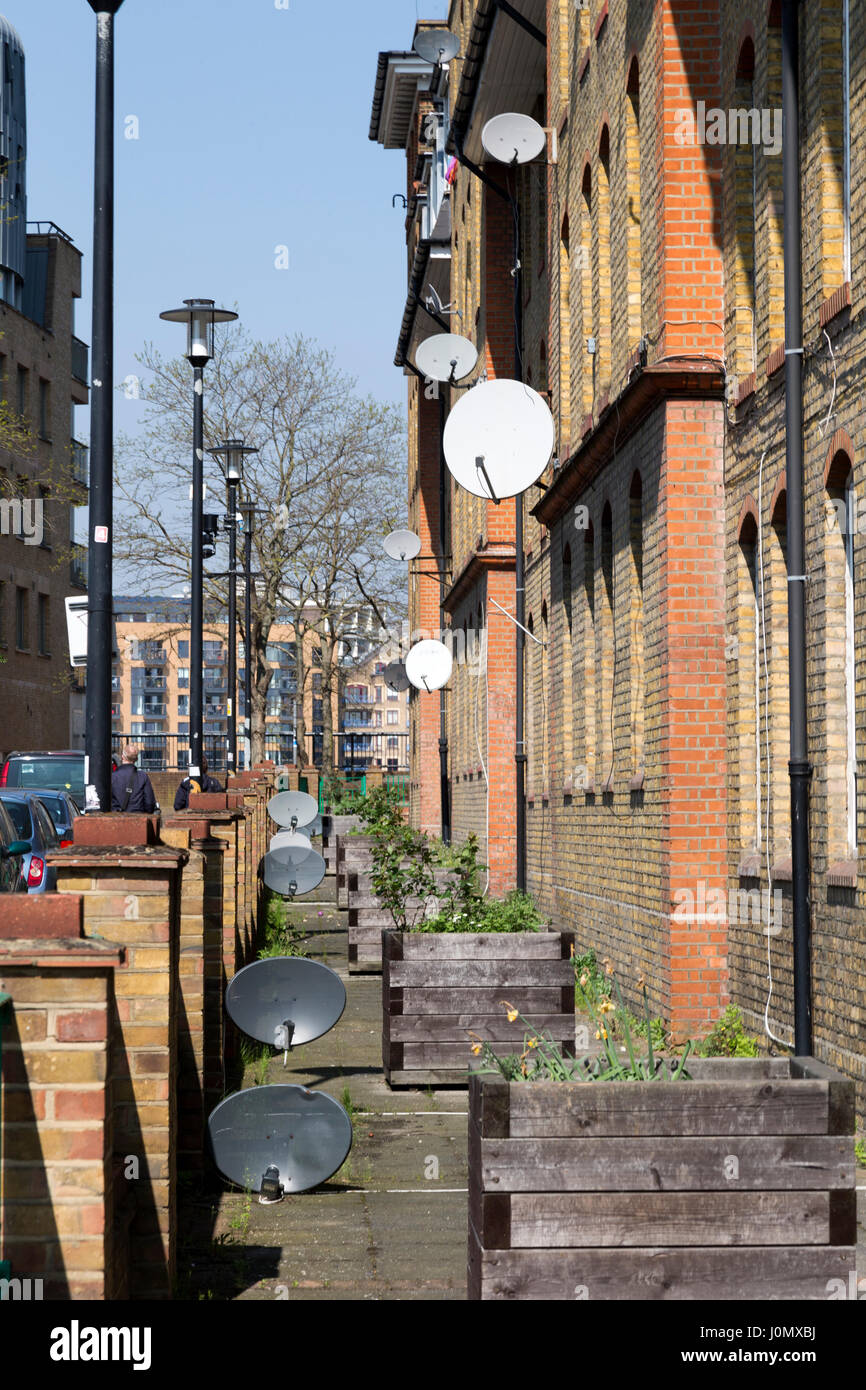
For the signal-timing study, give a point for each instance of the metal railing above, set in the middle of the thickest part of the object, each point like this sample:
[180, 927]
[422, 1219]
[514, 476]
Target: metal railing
[80, 360]
[5, 1012]
[78, 565]
[80, 462]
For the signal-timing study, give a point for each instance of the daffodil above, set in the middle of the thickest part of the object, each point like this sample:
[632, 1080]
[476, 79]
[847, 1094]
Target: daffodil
[533, 1042]
[510, 1010]
[476, 1048]
[605, 1007]
[584, 980]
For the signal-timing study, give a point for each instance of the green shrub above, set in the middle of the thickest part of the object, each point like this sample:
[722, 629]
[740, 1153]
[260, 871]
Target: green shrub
[728, 1038]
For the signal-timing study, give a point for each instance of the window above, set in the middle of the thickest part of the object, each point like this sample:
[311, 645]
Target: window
[589, 692]
[777, 645]
[586, 361]
[183, 728]
[183, 677]
[632, 184]
[834, 158]
[183, 650]
[564, 301]
[42, 624]
[747, 655]
[605, 302]
[379, 690]
[774, 257]
[2, 614]
[44, 409]
[183, 704]
[23, 390]
[393, 716]
[566, 650]
[393, 694]
[839, 667]
[605, 709]
[212, 651]
[638, 679]
[22, 620]
[745, 170]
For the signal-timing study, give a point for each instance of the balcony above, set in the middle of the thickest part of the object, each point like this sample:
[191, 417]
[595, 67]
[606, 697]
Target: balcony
[213, 728]
[80, 462]
[154, 683]
[218, 685]
[142, 710]
[215, 711]
[80, 354]
[78, 566]
[358, 697]
[146, 651]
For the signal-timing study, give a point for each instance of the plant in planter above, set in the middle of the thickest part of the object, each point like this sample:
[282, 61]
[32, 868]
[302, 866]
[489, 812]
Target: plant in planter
[732, 1179]
[444, 979]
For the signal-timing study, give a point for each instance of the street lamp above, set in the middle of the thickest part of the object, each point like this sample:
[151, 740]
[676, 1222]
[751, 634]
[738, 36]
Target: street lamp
[100, 604]
[231, 457]
[199, 315]
[248, 511]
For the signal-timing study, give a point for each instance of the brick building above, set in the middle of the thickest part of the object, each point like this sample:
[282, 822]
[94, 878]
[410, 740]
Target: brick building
[657, 798]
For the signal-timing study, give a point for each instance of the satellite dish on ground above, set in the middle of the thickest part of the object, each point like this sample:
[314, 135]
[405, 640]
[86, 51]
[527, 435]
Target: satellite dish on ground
[446, 357]
[429, 665]
[402, 545]
[293, 810]
[498, 439]
[437, 45]
[395, 677]
[513, 139]
[276, 1139]
[286, 1000]
[289, 874]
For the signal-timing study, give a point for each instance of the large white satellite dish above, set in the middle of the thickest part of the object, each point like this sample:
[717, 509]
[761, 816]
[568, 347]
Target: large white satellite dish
[402, 545]
[499, 439]
[429, 665]
[513, 139]
[437, 45]
[446, 357]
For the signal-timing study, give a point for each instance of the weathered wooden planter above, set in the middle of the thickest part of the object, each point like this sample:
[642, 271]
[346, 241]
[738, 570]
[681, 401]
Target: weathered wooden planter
[354, 856]
[737, 1184]
[332, 827]
[438, 987]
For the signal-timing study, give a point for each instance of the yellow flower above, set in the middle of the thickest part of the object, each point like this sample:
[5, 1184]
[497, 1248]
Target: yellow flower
[533, 1042]
[510, 1011]
[476, 1048]
[584, 980]
[605, 1007]
[601, 1033]
[641, 982]
[608, 967]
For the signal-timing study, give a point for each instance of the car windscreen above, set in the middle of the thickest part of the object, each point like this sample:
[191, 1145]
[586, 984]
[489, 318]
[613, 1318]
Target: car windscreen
[66, 774]
[56, 808]
[19, 814]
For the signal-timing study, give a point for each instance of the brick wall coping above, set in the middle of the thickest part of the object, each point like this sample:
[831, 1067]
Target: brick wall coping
[119, 856]
[83, 954]
[645, 391]
[492, 557]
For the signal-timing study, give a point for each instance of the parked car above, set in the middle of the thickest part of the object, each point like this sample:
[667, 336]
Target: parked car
[63, 771]
[12, 851]
[62, 810]
[35, 828]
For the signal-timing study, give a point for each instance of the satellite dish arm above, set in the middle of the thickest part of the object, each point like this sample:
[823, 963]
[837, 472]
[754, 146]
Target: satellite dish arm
[524, 23]
[463, 158]
[446, 327]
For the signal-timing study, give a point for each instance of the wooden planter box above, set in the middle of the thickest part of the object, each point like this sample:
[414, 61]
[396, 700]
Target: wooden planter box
[737, 1184]
[332, 827]
[436, 987]
[354, 856]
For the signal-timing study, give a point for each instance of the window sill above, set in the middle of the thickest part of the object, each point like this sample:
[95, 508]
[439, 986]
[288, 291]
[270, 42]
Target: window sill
[636, 783]
[842, 874]
[600, 22]
[776, 360]
[782, 872]
[745, 389]
[749, 866]
[584, 64]
[835, 304]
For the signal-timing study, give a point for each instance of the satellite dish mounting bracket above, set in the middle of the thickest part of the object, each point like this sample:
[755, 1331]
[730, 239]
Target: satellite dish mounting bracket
[479, 464]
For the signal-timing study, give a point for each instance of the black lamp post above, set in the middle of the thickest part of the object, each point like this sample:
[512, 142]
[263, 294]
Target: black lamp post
[199, 315]
[100, 607]
[231, 456]
[248, 512]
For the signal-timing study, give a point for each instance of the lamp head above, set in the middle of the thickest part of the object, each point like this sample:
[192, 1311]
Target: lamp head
[199, 315]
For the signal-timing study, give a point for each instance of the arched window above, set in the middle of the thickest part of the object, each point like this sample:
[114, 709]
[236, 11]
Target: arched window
[542, 367]
[544, 700]
[777, 658]
[607, 652]
[835, 159]
[530, 704]
[589, 693]
[605, 304]
[564, 335]
[746, 654]
[775, 276]
[745, 354]
[632, 184]
[839, 702]
[637, 642]
[566, 657]
[587, 363]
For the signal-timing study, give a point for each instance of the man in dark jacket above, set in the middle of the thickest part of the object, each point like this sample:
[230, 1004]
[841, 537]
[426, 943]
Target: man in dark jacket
[199, 784]
[130, 788]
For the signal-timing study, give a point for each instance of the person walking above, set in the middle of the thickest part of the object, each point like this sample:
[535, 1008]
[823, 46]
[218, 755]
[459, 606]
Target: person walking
[131, 789]
[196, 784]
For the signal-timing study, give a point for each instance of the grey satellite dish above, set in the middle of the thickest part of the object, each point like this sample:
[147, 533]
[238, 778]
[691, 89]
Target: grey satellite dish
[395, 677]
[446, 357]
[437, 45]
[402, 545]
[286, 1000]
[292, 840]
[498, 439]
[513, 139]
[290, 877]
[429, 665]
[276, 1139]
[293, 810]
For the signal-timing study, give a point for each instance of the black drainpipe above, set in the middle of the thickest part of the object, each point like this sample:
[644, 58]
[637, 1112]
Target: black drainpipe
[799, 767]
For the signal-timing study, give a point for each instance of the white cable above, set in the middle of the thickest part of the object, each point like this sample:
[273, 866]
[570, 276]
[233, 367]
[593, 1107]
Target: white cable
[823, 428]
[767, 1029]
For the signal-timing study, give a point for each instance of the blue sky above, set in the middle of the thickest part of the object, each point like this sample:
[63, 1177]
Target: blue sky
[252, 134]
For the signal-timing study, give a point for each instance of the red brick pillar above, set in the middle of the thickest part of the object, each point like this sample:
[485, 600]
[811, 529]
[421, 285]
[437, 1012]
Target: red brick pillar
[57, 1220]
[130, 886]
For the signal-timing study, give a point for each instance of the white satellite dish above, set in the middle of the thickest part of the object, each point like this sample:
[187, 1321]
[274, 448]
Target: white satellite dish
[513, 139]
[395, 677]
[499, 439]
[437, 45]
[429, 665]
[446, 357]
[402, 545]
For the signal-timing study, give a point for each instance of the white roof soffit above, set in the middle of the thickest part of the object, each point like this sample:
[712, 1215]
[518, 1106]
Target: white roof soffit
[513, 72]
[405, 76]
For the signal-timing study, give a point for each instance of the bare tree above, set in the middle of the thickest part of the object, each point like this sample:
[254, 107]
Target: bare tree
[328, 477]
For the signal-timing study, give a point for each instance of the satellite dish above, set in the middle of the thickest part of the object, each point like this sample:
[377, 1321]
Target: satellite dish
[293, 810]
[304, 1135]
[288, 837]
[498, 439]
[446, 357]
[402, 545]
[290, 876]
[513, 139]
[292, 840]
[437, 45]
[395, 677]
[286, 1000]
[429, 665]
